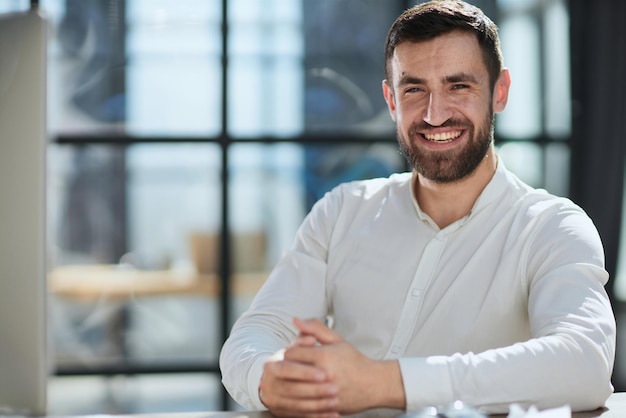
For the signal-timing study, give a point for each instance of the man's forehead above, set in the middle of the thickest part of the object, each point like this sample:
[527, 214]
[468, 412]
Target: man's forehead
[452, 53]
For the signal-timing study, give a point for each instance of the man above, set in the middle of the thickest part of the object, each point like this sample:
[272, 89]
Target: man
[454, 282]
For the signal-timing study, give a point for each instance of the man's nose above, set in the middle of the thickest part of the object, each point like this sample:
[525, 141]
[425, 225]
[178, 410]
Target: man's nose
[438, 110]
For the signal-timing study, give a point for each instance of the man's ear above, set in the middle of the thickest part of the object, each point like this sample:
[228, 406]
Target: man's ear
[388, 94]
[501, 91]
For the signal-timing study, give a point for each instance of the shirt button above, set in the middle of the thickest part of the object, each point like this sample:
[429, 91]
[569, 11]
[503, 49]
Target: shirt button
[395, 349]
[416, 292]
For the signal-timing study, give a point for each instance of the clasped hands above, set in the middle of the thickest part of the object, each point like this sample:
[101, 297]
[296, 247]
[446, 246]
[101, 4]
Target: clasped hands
[322, 375]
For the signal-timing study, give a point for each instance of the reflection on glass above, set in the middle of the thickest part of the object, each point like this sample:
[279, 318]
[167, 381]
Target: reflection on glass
[86, 65]
[124, 282]
[148, 394]
[307, 66]
[10, 6]
[265, 68]
[267, 197]
[174, 68]
[520, 46]
[525, 160]
[620, 278]
[173, 192]
[327, 166]
[557, 169]
[135, 66]
[557, 59]
[344, 65]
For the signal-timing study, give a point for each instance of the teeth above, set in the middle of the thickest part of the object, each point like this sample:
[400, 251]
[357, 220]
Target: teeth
[443, 137]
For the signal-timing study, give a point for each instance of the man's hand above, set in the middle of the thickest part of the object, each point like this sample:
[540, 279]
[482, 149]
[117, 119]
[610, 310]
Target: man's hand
[358, 382]
[294, 389]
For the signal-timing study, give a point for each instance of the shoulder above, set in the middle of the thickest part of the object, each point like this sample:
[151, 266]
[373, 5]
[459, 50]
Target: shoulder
[372, 188]
[362, 197]
[548, 219]
[535, 202]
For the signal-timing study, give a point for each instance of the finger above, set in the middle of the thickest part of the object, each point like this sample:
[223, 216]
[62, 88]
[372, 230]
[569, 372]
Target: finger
[317, 329]
[291, 370]
[302, 407]
[304, 340]
[315, 356]
[305, 390]
[295, 398]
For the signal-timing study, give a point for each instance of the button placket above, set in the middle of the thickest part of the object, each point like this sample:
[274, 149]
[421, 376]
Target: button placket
[413, 300]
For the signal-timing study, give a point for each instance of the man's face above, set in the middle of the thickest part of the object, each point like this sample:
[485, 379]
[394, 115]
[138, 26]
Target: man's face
[443, 104]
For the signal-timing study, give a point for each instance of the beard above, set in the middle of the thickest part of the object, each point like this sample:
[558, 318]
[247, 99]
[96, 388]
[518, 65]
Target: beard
[450, 165]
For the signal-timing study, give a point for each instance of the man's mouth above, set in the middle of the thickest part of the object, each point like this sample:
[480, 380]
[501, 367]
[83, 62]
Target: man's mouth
[443, 136]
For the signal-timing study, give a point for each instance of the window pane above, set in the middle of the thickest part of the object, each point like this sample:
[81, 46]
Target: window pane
[86, 71]
[520, 46]
[557, 71]
[620, 277]
[174, 67]
[266, 208]
[312, 66]
[125, 282]
[147, 68]
[148, 394]
[557, 169]
[344, 65]
[525, 160]
[9, 6]
[265, 71]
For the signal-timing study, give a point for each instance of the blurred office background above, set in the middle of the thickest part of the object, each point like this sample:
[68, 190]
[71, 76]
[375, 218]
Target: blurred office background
[189, 138]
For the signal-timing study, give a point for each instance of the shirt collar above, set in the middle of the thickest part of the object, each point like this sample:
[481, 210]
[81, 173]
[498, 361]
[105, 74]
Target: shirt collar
[496, 186]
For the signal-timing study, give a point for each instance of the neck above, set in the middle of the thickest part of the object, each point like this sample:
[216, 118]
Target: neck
[446, 203]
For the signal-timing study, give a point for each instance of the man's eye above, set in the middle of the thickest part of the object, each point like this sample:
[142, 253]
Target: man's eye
[413, 90]
[460, 86]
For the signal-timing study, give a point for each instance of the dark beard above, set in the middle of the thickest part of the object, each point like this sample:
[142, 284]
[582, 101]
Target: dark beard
[453, 165]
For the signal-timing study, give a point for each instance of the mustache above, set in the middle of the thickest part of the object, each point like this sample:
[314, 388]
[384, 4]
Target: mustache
[450, 123]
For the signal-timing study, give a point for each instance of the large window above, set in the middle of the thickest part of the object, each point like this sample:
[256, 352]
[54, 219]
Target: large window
[190, 138]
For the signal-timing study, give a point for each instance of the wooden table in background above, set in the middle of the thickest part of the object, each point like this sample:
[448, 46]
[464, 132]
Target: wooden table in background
[89, 282]
[121, 284]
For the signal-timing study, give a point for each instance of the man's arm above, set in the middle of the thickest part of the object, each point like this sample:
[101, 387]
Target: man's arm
[296, 287]
[567, 360]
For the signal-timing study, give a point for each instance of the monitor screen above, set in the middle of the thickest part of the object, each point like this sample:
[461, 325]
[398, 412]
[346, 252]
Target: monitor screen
[23, 353]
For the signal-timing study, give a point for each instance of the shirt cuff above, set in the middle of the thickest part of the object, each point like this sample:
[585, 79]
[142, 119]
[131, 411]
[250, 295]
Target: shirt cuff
[254, 378]
[426, 381]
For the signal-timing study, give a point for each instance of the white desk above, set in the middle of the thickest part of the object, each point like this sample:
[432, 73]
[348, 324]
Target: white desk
[615, 408]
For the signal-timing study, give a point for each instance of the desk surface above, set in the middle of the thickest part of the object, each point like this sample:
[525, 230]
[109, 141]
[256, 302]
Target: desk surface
[92, 282]
[615, 408]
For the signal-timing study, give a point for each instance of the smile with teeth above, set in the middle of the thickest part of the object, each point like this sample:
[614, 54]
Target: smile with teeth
[443, 136]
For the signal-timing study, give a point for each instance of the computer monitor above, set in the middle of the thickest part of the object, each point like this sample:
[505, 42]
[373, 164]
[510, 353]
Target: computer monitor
[23, 352]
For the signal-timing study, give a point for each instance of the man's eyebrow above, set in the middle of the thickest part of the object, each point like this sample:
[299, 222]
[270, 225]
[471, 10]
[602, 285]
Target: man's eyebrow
[408, 79]
[461, 77]
[452, 78]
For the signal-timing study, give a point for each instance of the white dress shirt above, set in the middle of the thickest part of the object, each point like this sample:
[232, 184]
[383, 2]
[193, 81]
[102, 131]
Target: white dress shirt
[506, 305]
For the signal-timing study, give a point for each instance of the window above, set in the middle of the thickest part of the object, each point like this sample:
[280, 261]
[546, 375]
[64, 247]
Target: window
[178, 177]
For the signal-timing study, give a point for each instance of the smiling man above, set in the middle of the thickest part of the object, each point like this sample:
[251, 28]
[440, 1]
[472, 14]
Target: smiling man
[456, 281]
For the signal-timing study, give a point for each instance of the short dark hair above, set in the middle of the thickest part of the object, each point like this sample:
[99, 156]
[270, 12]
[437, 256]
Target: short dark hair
[429, 20]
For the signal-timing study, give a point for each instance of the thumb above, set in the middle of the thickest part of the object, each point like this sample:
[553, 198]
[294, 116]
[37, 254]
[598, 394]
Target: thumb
[315, 328]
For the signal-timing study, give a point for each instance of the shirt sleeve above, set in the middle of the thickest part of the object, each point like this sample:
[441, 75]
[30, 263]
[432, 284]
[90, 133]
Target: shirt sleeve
[568, 360]
[296, 287]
